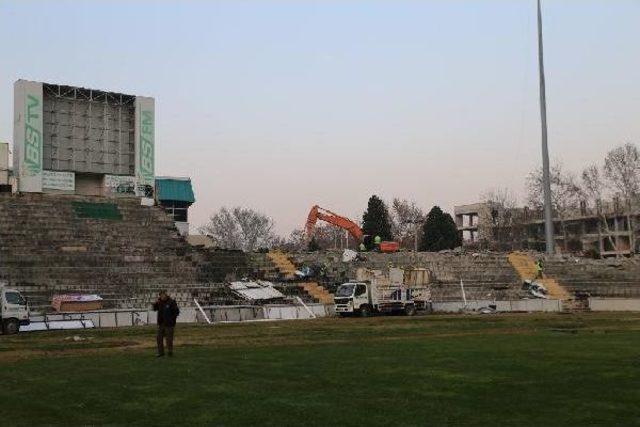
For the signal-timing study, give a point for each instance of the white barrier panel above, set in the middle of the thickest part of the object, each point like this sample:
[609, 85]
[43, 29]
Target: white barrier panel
[123, 318]
[200, 319]
[94, 317]
[140, 317]
[57, 325]
[456, 306]
[251, 313]
[232, 315]
[294, 313]
[528, 305]
[290, 312]
[107, 320]
[187, 315]
[272, 312]
[321, 310]
[218, 315]
[525, 305]
[614, 304]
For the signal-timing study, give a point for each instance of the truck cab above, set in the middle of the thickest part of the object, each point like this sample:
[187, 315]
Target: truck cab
[351, 297]
[366, 298]
[14, 310]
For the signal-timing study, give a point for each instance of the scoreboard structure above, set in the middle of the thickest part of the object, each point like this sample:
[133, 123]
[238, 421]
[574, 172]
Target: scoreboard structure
[74, 140]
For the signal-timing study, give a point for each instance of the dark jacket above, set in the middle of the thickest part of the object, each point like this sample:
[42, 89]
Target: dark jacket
[167, 312]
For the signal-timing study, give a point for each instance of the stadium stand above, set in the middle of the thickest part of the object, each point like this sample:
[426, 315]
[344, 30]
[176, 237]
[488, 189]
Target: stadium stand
[612, 277]
[485, 275]
[125, 252]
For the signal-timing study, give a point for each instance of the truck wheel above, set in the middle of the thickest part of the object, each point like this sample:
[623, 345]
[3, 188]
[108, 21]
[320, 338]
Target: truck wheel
[10, 327]
[365, 311]
[410, 310]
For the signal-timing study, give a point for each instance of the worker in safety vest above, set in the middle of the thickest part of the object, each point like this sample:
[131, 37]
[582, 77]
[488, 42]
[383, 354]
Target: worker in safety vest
[539, 269]
[376, 242]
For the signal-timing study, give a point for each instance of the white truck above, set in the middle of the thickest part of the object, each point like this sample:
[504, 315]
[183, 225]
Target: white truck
[376, 292]
[14, 310]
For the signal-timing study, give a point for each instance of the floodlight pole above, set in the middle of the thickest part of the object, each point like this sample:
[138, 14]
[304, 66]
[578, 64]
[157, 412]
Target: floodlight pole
[546, 176]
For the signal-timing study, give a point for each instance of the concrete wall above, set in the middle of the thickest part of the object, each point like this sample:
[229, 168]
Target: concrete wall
[546, 305]
[88, 184]
[614, 304]
[528, 305]
[456, 306]
[183, 228]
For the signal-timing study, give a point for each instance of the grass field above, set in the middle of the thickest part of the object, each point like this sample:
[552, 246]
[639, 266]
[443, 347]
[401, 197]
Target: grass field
[524, 370]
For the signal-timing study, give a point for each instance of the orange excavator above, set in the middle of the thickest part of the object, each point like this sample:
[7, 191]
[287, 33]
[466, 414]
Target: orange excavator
[318, 213]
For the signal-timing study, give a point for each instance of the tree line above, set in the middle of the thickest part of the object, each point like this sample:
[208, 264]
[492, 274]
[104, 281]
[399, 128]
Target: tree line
[616, 178]
[403, 221]
[599, 189]
[614, 181]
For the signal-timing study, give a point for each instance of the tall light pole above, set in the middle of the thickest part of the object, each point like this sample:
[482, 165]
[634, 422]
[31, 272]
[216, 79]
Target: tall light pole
[546, 179]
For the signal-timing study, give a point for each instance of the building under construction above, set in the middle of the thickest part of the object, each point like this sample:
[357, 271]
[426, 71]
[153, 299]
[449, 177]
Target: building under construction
[609, 229]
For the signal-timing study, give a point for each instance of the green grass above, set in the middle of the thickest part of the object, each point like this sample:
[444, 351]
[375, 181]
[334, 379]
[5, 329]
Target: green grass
[534, 370]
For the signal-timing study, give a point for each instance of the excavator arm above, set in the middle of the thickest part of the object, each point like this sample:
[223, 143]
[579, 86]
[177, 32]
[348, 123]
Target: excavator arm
[318, 213]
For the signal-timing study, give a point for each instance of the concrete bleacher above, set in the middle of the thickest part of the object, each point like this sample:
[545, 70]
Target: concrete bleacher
[221, 265]
[126, 252]
[485, 275]
[613, 278]
[117, 248]
[263, 267]
[278, 267]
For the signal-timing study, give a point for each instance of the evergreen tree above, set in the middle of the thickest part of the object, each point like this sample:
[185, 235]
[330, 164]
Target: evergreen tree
[375, 221]
[439, 232]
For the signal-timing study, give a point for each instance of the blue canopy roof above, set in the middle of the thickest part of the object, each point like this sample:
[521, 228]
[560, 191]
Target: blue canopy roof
[178, 189]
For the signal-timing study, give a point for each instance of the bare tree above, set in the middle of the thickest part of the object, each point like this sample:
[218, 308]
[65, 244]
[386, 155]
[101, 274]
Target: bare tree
[502, 204]
[329, 236]
[593, 191]
[593, 186]
[565, 193]
[240, 228]
[622, 170]
[295, 242]
[502, 198]
[406, 219]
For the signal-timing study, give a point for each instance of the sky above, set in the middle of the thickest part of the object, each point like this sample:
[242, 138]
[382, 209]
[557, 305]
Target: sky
[280, 105]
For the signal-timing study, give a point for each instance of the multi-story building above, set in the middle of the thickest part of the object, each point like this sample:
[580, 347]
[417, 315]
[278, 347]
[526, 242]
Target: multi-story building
[609, 229]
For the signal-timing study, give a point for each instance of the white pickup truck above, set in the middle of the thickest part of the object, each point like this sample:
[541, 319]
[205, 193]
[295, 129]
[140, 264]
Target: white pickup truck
[14, 310]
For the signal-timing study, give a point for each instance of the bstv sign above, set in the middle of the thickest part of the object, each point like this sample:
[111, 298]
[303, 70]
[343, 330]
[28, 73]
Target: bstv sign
[33, 136]
[146, 147]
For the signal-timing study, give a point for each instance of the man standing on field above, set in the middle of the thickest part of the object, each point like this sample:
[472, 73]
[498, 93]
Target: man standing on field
[168, 311]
